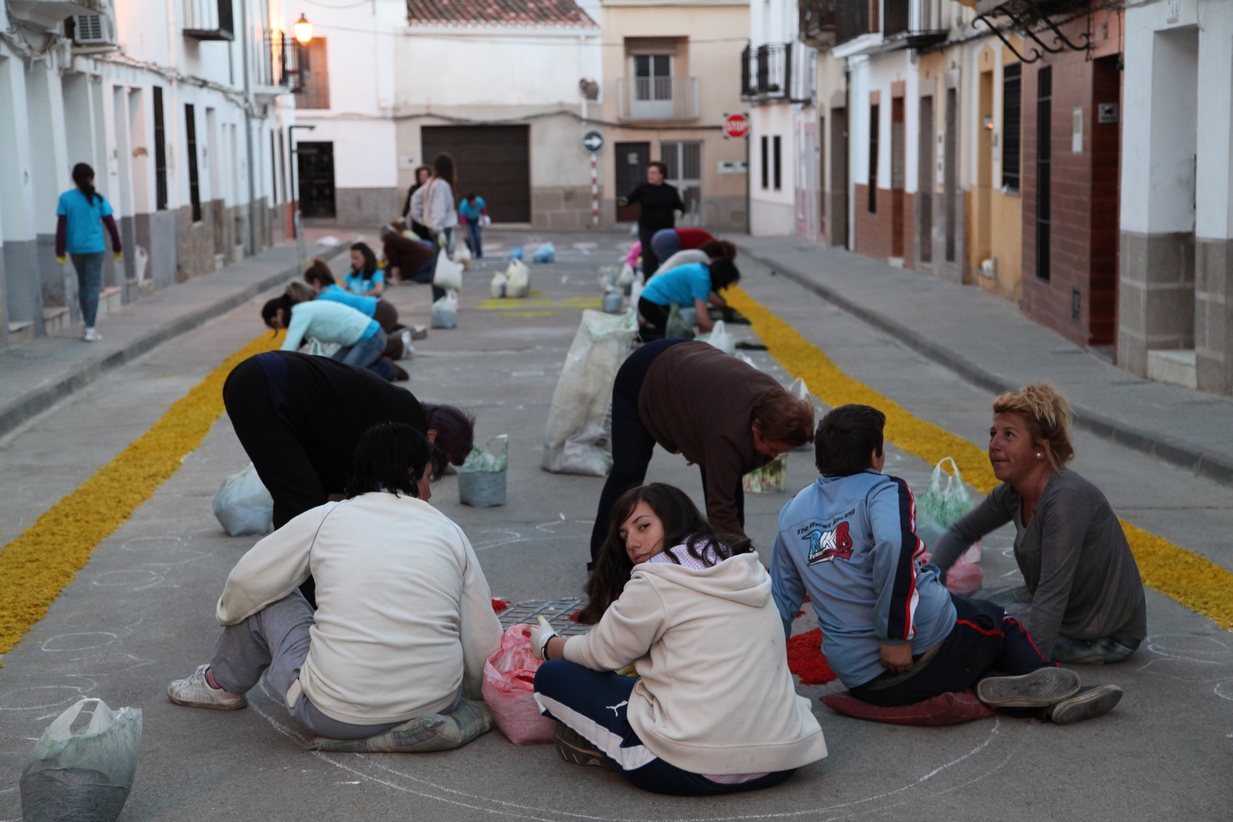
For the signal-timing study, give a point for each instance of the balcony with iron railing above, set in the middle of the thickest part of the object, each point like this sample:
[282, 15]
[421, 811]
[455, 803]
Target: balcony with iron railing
[778, 72]
[893, 24]
[282, 65]
[657, 98]
[209, 20]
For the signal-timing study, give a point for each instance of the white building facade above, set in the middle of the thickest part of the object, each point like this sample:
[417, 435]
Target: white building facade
[1175, 317]
[177, 106]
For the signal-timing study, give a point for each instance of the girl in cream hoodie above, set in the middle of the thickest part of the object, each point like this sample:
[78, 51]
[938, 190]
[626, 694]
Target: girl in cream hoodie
[714, 708]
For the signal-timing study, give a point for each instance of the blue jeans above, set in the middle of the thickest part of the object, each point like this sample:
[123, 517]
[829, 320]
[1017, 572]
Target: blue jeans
[593, 703]
[665, 243]
[89, 280]
[1103, 651]
[474, 241]
[367, 354]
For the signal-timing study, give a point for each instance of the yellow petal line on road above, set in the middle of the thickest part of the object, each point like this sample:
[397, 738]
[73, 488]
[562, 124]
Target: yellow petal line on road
[1195, 582]
[39, 563]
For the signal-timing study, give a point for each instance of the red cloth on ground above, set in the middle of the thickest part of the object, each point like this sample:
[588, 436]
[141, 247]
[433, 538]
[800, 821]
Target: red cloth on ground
[953, 708]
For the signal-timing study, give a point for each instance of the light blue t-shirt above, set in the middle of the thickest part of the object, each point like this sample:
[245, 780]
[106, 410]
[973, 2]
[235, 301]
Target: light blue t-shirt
[338, 294]
[328, 322]
[682, 285]
[84, 234]
[356, 283]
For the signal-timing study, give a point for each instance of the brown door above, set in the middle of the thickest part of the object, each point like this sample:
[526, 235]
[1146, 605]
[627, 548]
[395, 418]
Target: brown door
[838, 222]
[926, 166]
[1106, 176]
[898, 168]
[492, 161]
[631, 162]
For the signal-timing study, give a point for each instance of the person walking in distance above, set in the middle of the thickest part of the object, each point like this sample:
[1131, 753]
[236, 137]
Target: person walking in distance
[81, 214]
[658, 204]
[433, 205]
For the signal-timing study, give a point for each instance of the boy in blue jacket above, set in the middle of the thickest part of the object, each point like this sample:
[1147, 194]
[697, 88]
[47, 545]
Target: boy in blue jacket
[891, 631]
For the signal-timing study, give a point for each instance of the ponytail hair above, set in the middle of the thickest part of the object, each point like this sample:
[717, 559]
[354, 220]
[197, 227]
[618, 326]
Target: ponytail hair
[83, 178]
[270, 310]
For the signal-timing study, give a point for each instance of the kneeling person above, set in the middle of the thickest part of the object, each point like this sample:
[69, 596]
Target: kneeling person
[891, 631]
[404, 618]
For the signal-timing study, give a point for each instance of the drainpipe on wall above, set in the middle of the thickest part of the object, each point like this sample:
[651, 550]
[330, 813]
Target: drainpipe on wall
[248, 130]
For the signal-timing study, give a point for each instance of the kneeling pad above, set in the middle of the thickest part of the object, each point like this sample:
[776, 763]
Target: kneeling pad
[434, 732]
[953, 708]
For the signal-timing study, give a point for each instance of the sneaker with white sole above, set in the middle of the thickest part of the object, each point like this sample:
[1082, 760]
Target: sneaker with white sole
[574, 747]
[90, 335]
[1039, 689]
[195, 692]
[1095, 700]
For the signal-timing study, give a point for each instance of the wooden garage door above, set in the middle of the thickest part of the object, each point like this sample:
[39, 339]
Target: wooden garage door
[492, 161]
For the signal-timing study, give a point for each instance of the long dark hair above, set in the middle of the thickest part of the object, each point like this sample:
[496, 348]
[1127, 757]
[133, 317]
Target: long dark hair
[370, 259]
[683, 524]
[391, 456]
[455, 430]
[83, 178]
[443, 168]
[723, 274]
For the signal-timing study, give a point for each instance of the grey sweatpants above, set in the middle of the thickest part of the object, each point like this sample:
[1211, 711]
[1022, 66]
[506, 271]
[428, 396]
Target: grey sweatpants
[275, 641]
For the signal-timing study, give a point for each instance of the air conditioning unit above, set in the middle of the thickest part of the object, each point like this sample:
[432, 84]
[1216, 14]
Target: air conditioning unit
[91, 30]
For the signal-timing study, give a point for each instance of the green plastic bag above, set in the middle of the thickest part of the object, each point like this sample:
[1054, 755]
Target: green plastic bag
[677, 328]
[944, 504]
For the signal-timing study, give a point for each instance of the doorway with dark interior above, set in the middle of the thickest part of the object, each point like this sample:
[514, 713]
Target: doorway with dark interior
[315, 171]
[631, 163]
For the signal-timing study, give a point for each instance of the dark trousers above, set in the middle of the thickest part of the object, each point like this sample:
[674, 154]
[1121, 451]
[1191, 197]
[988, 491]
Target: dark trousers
[253, 403]
[984, 642]
[650, 262]
[475, 240]
[594, 703]
[632, 443]
[656, 317]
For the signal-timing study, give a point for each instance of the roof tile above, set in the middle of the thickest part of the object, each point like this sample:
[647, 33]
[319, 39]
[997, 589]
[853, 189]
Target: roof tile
[517, 13]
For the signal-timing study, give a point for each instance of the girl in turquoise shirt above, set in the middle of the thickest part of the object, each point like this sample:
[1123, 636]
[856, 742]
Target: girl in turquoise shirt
[364, 277]
[82, 212]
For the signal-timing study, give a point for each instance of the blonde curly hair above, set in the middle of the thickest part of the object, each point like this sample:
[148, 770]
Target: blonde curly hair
[1047, 414]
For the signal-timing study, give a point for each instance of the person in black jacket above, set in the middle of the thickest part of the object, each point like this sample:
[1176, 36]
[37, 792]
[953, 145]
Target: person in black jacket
[658, 203]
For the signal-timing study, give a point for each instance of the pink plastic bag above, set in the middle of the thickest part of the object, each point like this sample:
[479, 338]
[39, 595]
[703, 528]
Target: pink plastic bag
[965, 577]
[509, 678]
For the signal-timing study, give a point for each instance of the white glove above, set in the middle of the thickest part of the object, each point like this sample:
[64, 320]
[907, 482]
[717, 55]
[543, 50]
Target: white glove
[540, 634]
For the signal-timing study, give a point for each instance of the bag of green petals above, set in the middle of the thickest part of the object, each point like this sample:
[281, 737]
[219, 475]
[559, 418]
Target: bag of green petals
[481, 479]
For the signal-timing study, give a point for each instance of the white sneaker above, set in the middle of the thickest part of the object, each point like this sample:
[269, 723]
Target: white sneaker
[408, 350]
[195, 692]
[91, 335]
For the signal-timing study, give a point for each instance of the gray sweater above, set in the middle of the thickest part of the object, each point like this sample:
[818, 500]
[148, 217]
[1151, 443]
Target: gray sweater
[1073, 556]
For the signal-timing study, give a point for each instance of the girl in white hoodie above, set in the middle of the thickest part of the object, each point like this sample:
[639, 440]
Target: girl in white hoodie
[713, 708]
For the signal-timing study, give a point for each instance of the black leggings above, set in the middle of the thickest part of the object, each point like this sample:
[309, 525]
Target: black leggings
[632, 443]
[656, 317]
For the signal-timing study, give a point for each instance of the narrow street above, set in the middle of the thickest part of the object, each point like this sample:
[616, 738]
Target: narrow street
[141, 612]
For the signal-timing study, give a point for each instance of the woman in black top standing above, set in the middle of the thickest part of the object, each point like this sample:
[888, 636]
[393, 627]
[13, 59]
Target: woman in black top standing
[658, 203]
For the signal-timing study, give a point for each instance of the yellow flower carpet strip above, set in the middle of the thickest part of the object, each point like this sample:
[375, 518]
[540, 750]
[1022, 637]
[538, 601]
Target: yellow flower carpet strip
[1193, 581]
[38, 564]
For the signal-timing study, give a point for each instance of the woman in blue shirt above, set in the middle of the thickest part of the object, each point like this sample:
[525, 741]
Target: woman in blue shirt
[364, 277]
[473, 210]
[82, 212]
[361, 339]
[691, 285]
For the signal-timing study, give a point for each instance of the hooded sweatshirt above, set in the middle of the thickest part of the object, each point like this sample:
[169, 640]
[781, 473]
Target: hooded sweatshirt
[715, 695]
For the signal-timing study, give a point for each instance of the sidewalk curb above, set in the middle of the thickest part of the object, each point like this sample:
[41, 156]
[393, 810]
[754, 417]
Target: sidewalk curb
[39, 399]
[1177, 453]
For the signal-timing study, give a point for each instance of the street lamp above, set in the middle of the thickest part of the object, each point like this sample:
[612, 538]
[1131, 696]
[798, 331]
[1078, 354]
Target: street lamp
[303, 31]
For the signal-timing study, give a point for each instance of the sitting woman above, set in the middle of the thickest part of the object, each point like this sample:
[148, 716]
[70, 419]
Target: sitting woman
[706, 253]
[1083, 599]
[409, 260]
[399, 589]
[361, 340]
[364, 277]
[714, 709]
[694, 284]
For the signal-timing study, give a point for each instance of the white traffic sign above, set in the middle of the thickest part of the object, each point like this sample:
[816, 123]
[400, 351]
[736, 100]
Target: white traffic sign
[593, 141]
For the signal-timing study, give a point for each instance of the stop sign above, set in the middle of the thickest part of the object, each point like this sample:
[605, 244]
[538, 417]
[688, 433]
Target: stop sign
[736, 126]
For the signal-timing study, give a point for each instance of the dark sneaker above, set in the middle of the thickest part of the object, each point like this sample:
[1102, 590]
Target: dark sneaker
[1039, 689]
[574, 748]
[1095, 700]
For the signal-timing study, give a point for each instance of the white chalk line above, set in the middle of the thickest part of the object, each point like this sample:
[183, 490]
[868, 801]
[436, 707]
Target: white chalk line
[516, 810]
